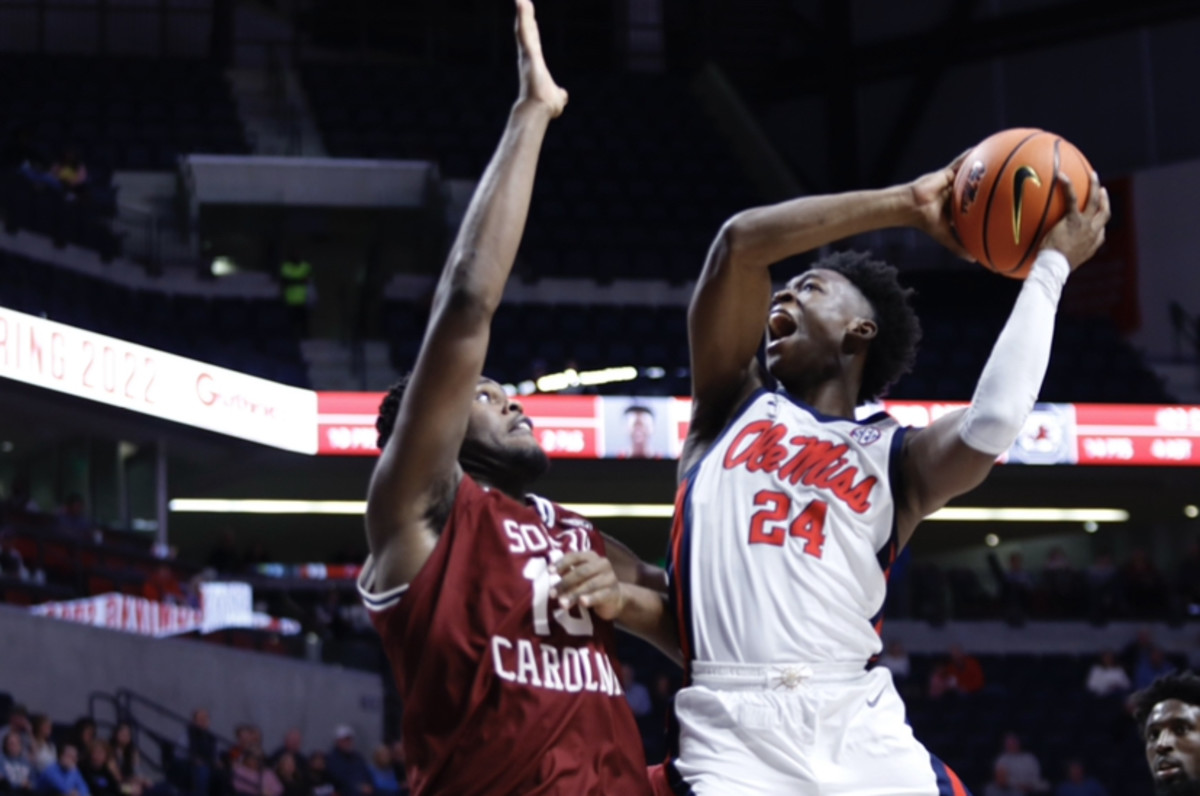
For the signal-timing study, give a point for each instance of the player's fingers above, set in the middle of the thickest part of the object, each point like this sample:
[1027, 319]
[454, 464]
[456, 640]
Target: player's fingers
[596, 585]
[576, 576]
[1069, 191]
[564, 564]
[958, 161]
[1094, 190]
[1105, 210]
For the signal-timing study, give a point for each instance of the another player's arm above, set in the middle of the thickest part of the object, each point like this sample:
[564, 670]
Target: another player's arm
[596, 583]
[633, 570]
[417, 474]
[955, 453]
[728, 311]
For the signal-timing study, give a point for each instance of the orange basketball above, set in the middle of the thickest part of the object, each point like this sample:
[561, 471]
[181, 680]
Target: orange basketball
[1007, 196]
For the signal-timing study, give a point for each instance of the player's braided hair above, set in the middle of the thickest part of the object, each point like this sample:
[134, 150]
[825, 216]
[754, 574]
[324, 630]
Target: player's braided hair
[894, 349]
[389, 409]
[1184, 686]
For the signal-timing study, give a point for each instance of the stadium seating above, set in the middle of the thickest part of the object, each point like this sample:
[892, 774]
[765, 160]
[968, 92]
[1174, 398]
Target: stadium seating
[633, 181]
[961, 315]
[252, 336]
[124, 113]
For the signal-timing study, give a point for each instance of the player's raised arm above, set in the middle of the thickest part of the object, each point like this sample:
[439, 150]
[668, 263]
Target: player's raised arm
[955, 453]
[728, 309]
[417, 474]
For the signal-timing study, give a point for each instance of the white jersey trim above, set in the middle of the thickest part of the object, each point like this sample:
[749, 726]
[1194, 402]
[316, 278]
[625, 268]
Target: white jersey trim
[373, 600]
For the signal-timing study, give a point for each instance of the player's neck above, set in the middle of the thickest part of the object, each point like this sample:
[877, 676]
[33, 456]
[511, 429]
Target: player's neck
[834, 397]
[509, 486]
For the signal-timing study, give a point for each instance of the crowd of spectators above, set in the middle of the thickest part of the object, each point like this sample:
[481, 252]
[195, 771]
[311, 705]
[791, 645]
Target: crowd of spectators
[1102, 589]
[204, 766]
[39, 757]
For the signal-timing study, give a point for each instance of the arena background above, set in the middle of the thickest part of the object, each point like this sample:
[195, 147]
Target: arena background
[171, 425]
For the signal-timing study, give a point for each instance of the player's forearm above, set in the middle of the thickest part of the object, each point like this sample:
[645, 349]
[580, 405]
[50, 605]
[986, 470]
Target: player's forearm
[1012, 377]
[482, 256]
[765, 235]
[647, 614]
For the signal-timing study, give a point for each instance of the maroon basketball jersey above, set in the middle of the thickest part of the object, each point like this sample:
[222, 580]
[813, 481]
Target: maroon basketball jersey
[504, 692]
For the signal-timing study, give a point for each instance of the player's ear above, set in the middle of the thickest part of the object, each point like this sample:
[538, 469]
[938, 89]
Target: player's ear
[864, 329]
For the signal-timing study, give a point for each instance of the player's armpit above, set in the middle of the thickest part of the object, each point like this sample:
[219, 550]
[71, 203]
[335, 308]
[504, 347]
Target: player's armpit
[937, 467]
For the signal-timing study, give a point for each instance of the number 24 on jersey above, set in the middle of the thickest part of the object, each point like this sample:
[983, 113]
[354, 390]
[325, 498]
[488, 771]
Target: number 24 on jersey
[769, 524]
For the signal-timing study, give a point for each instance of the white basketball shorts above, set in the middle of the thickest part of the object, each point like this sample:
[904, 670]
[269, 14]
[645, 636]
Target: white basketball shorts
[801, 730]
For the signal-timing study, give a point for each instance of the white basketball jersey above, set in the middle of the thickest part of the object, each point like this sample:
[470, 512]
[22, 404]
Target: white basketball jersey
[783, 536]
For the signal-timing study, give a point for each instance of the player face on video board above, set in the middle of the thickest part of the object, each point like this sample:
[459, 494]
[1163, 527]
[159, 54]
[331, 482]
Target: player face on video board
[639, 421]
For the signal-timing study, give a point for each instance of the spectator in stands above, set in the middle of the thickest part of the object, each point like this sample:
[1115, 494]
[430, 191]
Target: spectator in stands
[126, 757]
[202, 753]
[960, 673]
[318, 775]
[162, 586]
[293, 744]
[252, 778]
[347, 768]
[294, 782]
[202, 744]
[398, 766]
[296, 279]
[1001, 784]
[71, 172]
[1017, 585]
[225, 557]
[1103, 595]
[1136, 652]
[42, 752]
[1106, 677]
[383, 776]
[18, 725]
[256, 554]
[16, 771]
[63, 777]
[1151, 668]
[895, 660]
[1078, 783]
[1061, 582]
[84, 733]
[73, 520]
[328, 616]
[636, 694]
[20, 498]
[1187, 579]
[100, 772]
[1023, 769]
[1144, 588]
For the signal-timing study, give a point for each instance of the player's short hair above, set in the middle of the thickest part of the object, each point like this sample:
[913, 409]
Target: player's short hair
[1184, 686]
[894, 349]
[389, 410]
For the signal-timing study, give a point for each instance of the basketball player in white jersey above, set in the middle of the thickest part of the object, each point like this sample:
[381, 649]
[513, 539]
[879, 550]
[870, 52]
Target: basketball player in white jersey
[790, 511]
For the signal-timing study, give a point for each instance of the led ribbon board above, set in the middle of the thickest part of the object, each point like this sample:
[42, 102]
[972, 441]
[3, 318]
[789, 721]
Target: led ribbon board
[122, 374]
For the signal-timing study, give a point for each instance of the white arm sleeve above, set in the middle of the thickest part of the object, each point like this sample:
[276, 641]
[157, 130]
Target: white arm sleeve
[1013, 375]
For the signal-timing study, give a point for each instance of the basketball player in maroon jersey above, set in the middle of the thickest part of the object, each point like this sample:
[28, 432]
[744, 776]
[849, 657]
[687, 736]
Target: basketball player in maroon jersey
[496, 609]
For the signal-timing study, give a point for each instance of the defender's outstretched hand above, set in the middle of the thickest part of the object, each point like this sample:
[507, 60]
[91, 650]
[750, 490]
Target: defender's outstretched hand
[932, 195]
[536, 82]
[1080, 233]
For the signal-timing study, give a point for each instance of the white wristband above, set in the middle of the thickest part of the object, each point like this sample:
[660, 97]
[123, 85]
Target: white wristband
[1012, 377]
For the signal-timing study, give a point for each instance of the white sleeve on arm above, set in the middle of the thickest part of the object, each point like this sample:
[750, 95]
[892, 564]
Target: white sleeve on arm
[1012, 378]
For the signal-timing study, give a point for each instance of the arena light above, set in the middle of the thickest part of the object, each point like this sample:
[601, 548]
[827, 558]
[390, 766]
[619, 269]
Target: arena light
[1014, 514]
[554, 382]
[243, 506]
[633, 510]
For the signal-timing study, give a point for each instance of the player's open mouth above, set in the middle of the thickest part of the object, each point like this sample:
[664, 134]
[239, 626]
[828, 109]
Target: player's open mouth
[780, 324]
[522, 426]
[1167, 769]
